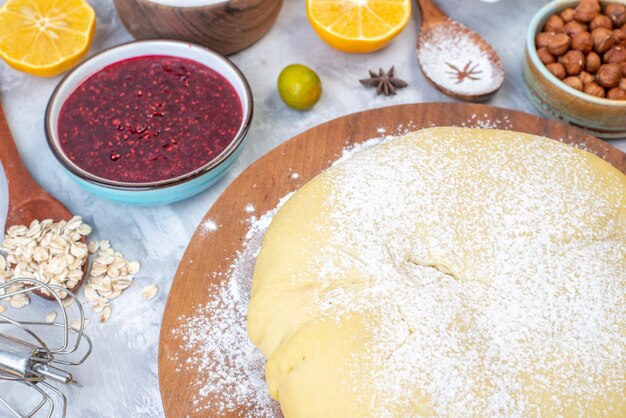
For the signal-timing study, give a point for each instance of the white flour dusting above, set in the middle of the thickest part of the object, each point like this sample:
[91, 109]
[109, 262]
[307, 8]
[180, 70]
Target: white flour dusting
[454, 61]
[230, 370]
[215, 345]
[484, 122]
[527, 283]
[209, 226]
[351, 150]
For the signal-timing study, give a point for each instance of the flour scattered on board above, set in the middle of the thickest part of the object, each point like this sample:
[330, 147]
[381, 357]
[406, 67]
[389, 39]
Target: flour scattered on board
[484, 122]
[214, 343]
[209, 226]
[351, 150]
[230, 370]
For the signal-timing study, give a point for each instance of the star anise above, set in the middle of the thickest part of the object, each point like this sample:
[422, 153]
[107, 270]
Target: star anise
[384, 82]
[469, 72]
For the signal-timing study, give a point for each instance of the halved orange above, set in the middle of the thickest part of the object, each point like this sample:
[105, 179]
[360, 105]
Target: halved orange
[358, 25]
[45, 37]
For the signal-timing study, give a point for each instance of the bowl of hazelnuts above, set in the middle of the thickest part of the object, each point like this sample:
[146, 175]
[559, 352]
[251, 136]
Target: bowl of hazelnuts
[575, 64]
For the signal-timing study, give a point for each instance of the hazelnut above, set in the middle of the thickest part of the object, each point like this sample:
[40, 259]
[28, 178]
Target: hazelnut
[557, 69]
[603, 39]
[586, 78]
[559, 44]
[573, 61]
[594, 89]
[609, 75]
[616, 94]
[594, 4]
[542, 39]
[574, 82]
[617, 13]
[593, 62]
[601, 21]
[619, 35]
[545, 56]
[555, 24]
[587, 10]
[623, 65]
[582, 41]
[623, 28]
[567, 15]
[574, 27]
[615, 54]
[622, 84]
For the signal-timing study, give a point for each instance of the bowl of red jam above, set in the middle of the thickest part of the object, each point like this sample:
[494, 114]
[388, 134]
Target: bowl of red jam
[150, 122]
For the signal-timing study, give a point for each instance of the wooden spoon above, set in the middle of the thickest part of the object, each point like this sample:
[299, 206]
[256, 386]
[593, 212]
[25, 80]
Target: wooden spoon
[455, 59]
[27, 200]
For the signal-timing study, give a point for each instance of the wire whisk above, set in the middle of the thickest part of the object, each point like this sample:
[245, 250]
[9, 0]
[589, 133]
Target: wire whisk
[34, 354]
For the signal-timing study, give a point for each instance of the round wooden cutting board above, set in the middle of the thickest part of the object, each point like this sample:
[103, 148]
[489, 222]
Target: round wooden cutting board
[270, 178]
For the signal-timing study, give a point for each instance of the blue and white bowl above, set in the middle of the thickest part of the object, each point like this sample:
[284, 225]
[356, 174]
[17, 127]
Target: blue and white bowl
[164, 191]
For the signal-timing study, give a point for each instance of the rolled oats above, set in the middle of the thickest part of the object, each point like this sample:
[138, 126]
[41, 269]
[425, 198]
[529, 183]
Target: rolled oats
[54, 253]
[133, 267]
[105, 314]
[76, 324]
[150, 291]
[84, 229]
[51, 317]
[68, 302]
[109, 277]
[19, 301]
[17, 231]
[47, 251]
[93, 246]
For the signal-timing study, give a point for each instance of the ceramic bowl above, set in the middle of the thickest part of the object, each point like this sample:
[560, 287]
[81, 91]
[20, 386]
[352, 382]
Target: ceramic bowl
[164, 191]
[226, 26]
[599, 116]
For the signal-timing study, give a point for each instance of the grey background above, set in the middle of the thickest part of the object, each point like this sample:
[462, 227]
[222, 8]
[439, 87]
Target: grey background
[120, 378]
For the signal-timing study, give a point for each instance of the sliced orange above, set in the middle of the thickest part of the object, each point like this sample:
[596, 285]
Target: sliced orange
[45, 37]
[358, 25]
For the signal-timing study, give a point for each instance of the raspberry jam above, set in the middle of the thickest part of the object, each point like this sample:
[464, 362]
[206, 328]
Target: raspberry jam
[148, 119]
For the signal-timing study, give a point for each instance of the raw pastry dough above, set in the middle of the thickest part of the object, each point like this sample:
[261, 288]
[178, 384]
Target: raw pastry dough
[449, 272]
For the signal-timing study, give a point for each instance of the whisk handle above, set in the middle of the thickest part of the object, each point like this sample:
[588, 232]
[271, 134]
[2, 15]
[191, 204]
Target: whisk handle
[16, 364]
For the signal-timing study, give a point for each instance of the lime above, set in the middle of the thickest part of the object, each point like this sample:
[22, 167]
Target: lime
[299, 86]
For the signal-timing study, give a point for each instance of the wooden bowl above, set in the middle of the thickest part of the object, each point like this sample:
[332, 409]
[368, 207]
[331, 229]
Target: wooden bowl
[226, 27]
[601, 117]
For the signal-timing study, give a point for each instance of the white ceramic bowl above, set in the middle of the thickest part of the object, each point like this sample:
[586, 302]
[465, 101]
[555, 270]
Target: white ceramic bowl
[164, 191]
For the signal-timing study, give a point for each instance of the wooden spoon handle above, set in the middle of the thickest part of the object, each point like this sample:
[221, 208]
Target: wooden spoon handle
[430, 12]
[21, 184]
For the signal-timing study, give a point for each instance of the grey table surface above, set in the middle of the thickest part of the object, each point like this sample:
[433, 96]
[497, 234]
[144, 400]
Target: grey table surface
[120, 377]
